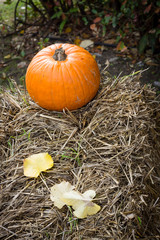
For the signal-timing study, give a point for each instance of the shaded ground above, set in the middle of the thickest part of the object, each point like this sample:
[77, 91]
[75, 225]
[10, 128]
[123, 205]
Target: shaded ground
[124, 66]
[16, 53]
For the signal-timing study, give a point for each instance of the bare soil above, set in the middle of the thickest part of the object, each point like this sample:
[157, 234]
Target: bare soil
[123, 66]
[16, 53]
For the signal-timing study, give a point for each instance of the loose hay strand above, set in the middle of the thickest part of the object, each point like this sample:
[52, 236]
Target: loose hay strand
[111, 145]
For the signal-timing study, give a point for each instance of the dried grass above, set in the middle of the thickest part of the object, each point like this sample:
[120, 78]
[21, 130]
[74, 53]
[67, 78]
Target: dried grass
[111, 145]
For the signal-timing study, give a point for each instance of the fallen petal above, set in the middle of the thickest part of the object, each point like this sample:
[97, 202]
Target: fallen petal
[57, 192]
[36, 163]
[85, 210]
[63, 194]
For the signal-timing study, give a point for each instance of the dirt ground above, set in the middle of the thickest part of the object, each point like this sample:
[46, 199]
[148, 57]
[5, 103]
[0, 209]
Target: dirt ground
[15, 57]
[123, 66]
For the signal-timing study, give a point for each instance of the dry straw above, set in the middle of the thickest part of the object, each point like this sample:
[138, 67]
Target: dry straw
[111, 146]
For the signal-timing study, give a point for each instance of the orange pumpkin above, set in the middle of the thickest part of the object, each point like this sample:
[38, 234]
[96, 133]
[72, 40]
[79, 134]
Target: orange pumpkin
[62, 76]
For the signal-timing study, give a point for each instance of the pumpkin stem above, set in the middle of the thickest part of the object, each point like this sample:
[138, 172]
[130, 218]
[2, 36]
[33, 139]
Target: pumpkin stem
[59, 55]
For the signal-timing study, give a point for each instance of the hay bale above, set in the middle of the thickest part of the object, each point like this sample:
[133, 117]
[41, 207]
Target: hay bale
[111, 145]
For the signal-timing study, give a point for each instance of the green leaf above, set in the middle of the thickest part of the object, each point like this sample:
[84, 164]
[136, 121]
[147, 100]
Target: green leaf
[106, 20]
[7, 2]
[22, 53]
[119, 15]
[62, 25]
[73, 10]
[46, 40]
[122, 45]
[157, 32]
[158, 3]
[140, 221]
[118, 38]
[104, 31]
[152, 41]
[114, 24]
[94, 11]
[57, 15]
[143, 43]
[85, 20]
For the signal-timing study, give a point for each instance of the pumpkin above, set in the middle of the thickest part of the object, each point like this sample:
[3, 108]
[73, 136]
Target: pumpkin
[62, 76]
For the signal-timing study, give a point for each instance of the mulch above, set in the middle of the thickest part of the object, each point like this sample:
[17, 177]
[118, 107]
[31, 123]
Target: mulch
[111, 145]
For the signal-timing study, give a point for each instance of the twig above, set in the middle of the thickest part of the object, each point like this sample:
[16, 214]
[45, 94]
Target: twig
[15, 14]
[8, 231]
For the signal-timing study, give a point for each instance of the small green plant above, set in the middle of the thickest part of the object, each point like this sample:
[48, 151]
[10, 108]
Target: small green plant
[25, 101]
[139, 220]
[77, 157]
[73, 222]
[11, 85]
[47, 235]
[22, 80]
[85, 20]
[19, 136]
[73, 155]
[42, 42]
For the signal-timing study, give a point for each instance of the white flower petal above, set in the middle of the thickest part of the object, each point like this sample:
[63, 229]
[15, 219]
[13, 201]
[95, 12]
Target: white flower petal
[57, 192]
[63, 193]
